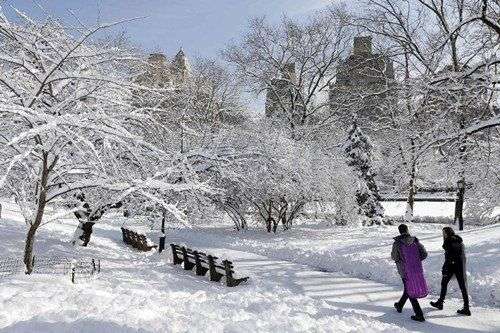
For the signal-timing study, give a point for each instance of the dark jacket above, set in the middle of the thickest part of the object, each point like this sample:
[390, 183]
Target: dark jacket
[396, 250]
[454, 253]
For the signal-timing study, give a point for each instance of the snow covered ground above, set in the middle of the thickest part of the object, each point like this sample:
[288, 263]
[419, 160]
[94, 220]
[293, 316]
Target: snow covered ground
[434, 209]
[364, 252]
[143, 292]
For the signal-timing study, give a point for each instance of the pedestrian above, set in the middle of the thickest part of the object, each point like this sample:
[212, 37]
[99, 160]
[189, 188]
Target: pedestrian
[408, 254]
[454, 265]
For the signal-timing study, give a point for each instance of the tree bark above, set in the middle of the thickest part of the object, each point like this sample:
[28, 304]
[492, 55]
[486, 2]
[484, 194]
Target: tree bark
[42, 201]
[85, 232]
[28, 249]
[459, 203]
[410, 203]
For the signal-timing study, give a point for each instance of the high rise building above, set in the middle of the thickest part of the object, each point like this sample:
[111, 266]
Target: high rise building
[362, 83]
[281, 95]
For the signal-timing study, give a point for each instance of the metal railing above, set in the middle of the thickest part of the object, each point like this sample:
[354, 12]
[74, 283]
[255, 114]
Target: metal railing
[78, 269]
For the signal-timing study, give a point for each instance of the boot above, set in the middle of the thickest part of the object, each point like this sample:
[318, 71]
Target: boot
[438, 304]
[418, 318]
[465, 311]
[398, 307]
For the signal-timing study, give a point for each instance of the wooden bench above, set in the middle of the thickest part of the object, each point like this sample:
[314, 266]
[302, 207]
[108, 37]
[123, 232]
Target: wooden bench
[136, 240]
[204, 263]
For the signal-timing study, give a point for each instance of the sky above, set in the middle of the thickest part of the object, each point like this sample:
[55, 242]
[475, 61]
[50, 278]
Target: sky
[201, 27]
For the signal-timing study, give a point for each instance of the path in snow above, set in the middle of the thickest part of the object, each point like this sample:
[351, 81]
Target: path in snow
[357, 295]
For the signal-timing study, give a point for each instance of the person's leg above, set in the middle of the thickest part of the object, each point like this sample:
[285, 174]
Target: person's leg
[404, 297]
[461, 279]
[416, 307]
[444, 285]
[447, 275]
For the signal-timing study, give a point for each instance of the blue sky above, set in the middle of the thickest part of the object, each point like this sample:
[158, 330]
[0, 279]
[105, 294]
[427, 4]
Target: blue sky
[201, 27]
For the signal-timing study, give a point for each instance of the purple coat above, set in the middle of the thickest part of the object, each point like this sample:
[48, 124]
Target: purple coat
[408, 254]
[396, 250]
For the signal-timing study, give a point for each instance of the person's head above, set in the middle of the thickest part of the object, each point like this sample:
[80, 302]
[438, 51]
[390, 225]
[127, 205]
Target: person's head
[403, 229]
[448, 232]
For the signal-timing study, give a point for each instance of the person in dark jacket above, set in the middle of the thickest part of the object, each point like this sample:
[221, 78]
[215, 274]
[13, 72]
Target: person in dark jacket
[406, 238]
[454, 265]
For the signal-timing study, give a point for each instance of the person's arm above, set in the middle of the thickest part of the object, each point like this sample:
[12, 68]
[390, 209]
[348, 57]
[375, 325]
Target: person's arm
[422, 251]
[395, 255]
[462, 252]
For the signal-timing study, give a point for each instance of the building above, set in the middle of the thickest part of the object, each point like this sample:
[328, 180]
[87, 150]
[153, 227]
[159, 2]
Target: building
[180, 68]
[362, 83]
[360, 88]
[282, 98]
[162, 73]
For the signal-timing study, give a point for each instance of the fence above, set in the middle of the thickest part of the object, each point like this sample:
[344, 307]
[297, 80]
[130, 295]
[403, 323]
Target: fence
[78, 269]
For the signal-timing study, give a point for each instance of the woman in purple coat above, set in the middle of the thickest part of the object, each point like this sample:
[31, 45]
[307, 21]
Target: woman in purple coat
[408, 266]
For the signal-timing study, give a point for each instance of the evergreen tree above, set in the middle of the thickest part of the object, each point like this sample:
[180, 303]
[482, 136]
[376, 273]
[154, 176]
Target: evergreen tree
[358, 152]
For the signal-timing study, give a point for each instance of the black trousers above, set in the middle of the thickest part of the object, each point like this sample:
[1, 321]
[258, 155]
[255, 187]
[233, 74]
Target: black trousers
[448, 272]
[414, 302]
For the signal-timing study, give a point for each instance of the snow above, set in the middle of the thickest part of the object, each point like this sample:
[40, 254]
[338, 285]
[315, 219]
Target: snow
[421, 208]
[144, 292]
[364, 252]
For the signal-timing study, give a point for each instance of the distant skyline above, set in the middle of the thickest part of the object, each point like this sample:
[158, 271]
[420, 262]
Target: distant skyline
[201, 27]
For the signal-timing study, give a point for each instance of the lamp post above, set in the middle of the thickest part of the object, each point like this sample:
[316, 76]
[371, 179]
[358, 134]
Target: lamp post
[161, 245]
[459, 204]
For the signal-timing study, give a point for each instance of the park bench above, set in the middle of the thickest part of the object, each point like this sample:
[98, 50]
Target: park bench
[136, 240]
[203, 263]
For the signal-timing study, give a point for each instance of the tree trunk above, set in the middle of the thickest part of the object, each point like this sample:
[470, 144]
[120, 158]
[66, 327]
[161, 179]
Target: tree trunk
[41, 201]
[459, 203]
[28, 249]
[284, 220]
[410, 203]
[234, 212]
[87, 218]
[30, 237]
[83, 233]
[275, 226]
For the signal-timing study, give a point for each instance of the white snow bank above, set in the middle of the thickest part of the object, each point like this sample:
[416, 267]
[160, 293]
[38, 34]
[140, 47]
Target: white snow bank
[434, 209]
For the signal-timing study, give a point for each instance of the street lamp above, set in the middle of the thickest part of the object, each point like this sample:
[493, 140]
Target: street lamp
[459, 205]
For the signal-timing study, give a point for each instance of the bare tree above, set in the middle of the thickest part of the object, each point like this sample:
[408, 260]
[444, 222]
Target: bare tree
[294, 64]
[69, 123]
[453, 57]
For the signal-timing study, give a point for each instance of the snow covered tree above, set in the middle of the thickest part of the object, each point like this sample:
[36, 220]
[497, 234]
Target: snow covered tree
[358, 152]
[69, 123]
[192, 120]
[452, 49]
[293, 63]
[278, 176]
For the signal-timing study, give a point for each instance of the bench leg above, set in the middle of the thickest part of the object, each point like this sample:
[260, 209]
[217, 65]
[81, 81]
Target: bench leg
[235, 282]
[200, 270]
[187, 264]
[214, 275]
[230, 280]
[175, 258]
